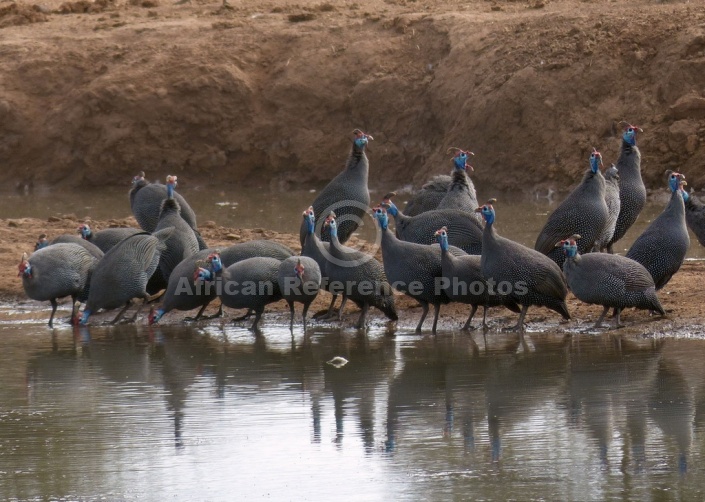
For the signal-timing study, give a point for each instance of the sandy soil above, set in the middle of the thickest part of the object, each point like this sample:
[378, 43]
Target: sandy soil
[682, 297]
[268, 91]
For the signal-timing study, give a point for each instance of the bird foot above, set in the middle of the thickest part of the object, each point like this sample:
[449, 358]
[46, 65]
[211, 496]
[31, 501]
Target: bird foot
[468, 327]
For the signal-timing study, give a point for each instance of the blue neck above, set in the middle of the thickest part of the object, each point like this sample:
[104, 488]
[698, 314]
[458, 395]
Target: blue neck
[594, 164]
[216, 265]
[629, 138]
[85, 316]
[361, 143]
[570, 251]
[443, 241]
[489, 216]
[310, 225]
[86, 232]
[383, 221]
[673, 184]
[333, 229]
[170, 190]
[459, 161]
[27, 271]
[684, 194]
[392, 209]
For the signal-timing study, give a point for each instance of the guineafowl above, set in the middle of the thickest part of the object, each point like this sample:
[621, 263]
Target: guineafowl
[94, 250]
[463, 282]
[695, 217]
[347, 194]
[247, 284]
[523, 274]
[42, 242]
[463, 230]
[123, 272]
[320, 251]
[299, 281]
[613, 205]
[182, 242]
[429, 196]
[662, 247]
[57, 271]
[107, 238]
[184, 292]
[584, 211]
[461, 191]
[146, 202]
[609, 280]
[358, 277]
[632, 192]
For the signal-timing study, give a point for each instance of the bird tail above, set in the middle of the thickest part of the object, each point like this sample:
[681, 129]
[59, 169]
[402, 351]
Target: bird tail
[385, 302]
[561, 308]
[656, 305]
[163, 235]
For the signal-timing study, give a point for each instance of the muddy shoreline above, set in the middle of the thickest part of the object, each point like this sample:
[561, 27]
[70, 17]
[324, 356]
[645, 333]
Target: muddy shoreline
[681, 298]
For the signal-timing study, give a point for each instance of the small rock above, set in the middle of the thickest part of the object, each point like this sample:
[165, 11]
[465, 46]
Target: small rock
[233, 237]
[209, 224]
[53, 219]
[13, 223]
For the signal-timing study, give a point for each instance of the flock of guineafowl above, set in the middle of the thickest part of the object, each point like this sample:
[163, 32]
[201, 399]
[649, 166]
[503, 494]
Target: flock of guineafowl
[444, 248]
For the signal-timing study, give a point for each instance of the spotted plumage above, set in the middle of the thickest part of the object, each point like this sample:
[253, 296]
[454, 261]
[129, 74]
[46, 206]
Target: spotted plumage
[464, 231]
[346, 195]
[106, 238]
[584, 211]
[531, 277]
[632, 192]
[695, 217]
[662, 247]
[464, 283]
[429, 196]
[94, 250]
[57, 271]
[318, 250]
[609, 280]
[247, 284]
[461, 193]
[185, 292]
[358, 277]
[613, 205]
[123, 273]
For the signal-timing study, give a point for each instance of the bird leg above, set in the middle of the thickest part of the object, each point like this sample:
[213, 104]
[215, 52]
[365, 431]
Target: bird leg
[292, 312]
[363, 314]
[53, 311]
[306, 306]
[485, 326]
[617, 322]
[145, 300]
[198, 316]
[328, 314]
[242, 317]
[520, 325]
[255, 325]
[598, 324]
[436, 312]
[117, 317]
[424, 305]
[342, 307]
[75, 305]
[467, 326]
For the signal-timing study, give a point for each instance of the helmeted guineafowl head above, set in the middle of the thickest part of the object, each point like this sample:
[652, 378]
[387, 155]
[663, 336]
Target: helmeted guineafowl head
[138, 178]
[215, 263]
[25, 268]
[569, 246]
[201, 274]
[460, 159]
[381, 217]
[442, 234]
[310, 219]
[675, 180]
[595, 160]
[85, 231]
[155, 315]
[361, 139]
[388, 204]
[83, 319]
[487, 211]
[330, 222]
[170, 185]
[299, 269]
[42, 242]
[630, 132]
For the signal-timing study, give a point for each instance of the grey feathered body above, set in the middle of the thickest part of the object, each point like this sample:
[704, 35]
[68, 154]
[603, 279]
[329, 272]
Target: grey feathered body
[613, 205]
[123, 272]
[632, 192]
[362, 278]
[695, 217]
[319, 251]
[583, 212]
[467, 284]
[461, 195]
[59, 270]
[662, 247]
[182, 242]
[611, 281]
[107, 238]
[523, 268]
[292, 288]
[429, 196]
[251, 284]
[346, 195]
[94, 250]
[464, 231]
[181, 279]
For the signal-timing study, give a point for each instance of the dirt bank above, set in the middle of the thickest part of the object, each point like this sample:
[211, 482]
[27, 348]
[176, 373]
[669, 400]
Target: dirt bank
[268, 91]
[682, 297]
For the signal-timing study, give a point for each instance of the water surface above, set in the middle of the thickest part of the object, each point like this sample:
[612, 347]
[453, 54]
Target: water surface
[212, 413]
